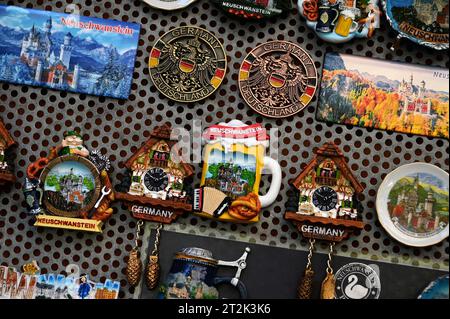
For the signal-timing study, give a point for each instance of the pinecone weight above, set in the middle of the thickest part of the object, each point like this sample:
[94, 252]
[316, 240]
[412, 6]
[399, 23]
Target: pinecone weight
[152, 272]
[134, 268]
[304, 290]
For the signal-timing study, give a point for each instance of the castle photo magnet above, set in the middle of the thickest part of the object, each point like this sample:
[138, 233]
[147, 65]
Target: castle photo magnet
[67, 52]
[384, 95]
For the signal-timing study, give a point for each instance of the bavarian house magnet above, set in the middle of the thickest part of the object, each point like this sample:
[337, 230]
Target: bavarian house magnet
[234, 157]
[422, 21]
[278, 79]
[187, 64]
[6, 142]
[339, 21]
[156, 189]
[324, 206]
[70, 188]
[254, 9]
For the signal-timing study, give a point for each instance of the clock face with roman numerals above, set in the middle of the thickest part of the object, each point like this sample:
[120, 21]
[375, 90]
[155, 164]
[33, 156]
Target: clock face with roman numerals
[156, 180]
[325, 198]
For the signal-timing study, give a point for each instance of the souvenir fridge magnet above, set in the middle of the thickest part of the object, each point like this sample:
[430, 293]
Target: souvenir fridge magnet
[187, 64]
[254, 9]
[339, 21]
[169, 5]
[193, 275]
[278, 79]
[6, 142]
[155, 189]
[424, 22]
[324, 206]
[67, 52]
[70, 188]
[384, 95]
[412, 204]
[233, 160]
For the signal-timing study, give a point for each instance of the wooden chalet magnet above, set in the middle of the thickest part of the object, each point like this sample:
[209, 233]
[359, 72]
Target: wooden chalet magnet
[6, 142]
[155, 187]
[70, 188]
[326, 204]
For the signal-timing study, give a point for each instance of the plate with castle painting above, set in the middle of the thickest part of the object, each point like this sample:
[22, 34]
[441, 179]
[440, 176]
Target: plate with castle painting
[412, 204]
[422, 21]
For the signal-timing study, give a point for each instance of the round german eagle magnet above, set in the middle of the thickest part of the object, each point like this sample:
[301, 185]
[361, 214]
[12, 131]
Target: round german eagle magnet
[187, 64]
[278, 79]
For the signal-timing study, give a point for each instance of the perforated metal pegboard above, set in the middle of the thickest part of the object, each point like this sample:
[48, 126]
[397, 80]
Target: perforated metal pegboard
[38, 117]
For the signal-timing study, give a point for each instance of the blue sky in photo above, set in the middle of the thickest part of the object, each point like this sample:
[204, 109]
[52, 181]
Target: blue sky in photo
[16, 17]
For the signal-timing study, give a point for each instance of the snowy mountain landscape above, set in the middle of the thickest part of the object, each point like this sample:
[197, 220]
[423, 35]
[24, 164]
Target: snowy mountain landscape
[45, 52]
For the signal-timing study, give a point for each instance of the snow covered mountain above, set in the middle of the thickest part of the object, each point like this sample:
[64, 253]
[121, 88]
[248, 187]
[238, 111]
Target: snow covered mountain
[91, 55]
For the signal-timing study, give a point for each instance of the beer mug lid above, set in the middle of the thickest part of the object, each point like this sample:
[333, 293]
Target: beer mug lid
[198, 252]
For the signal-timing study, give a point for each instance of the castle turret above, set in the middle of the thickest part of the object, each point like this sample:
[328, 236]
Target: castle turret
[436, 221]
[66, 50]
[76, 77]
[429, 202]
[38, 75]
[48, 26]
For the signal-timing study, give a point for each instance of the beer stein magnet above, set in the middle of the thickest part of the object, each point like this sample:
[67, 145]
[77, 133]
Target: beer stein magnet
[193, 275]
[234, 158]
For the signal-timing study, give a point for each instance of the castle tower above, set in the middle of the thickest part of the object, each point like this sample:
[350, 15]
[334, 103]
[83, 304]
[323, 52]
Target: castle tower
[38, 75]
[76, 77]
[421, 89]
[411, 81]
[66, 50]
[436, 221]
[429, 202]
[429, 107]
[48, 26]
[416, 182]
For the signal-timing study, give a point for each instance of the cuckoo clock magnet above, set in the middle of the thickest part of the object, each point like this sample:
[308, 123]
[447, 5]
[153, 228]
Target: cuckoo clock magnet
[6, 142]
[155, 189]
[324, 206]
[70, 188]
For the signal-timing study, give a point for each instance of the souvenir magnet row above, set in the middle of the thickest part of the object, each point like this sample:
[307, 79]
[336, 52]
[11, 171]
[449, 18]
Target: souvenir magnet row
[31, 284]
[339, 21]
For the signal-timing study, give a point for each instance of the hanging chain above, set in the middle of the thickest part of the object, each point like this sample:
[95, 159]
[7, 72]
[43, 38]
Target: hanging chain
[330, 256]
[155, 251]
[140, 223]
[310, 254]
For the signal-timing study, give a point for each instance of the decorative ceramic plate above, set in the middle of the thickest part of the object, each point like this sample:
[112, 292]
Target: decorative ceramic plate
[339, 21]
[412, 204]
[422, 21]
[71, 186]
[438, 289]
[169, 4]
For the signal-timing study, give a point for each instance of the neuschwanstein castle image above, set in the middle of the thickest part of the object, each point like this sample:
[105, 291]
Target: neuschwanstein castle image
[37, 52]
[66, 52]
